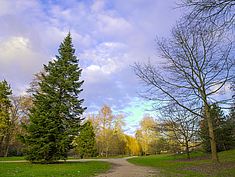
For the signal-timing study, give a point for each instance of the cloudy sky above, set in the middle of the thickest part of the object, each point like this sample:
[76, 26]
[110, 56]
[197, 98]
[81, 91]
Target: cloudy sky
[109, 36]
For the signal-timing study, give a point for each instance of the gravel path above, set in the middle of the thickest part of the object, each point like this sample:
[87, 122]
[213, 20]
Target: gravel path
[122, 168]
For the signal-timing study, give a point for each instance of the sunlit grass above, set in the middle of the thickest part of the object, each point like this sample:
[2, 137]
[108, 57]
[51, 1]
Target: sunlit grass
[100, 157]
[200, 165]
[15, 158]
[70, 169]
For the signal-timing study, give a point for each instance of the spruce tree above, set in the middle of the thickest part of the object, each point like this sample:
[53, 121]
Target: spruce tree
[5, 104]
[231, 124]
[57, 112]
[223, 130]
[85, 142]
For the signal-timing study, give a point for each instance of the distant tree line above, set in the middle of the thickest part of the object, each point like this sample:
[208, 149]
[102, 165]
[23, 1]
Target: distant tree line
[102, 134]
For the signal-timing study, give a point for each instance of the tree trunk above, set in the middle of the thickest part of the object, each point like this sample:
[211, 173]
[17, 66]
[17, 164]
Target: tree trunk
[6, 150]
[187, 149]
[214, 155]
[2, 146]
[106, 153]
[7, 142]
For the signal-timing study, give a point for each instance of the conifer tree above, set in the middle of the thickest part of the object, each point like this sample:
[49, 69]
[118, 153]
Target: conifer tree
[85, 142]
[223, 130]
[57, 112]
[5, 104]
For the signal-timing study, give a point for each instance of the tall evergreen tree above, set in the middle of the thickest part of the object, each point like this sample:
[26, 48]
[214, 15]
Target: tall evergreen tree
[85, 142]
[5, 104]
[57, 112]
[223, 129]
[231, 123]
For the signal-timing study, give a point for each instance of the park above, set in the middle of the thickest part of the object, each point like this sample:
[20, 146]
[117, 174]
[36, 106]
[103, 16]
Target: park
[83, 92]
[155, 165]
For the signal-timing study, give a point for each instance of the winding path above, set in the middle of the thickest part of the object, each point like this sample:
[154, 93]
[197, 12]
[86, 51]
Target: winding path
[122, 168]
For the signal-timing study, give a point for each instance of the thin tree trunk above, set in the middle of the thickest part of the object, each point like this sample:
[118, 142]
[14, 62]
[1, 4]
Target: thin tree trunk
[2, 146]
[224, 147]
[187, 150]
[214, 155]
[106, 153]
[6, 150]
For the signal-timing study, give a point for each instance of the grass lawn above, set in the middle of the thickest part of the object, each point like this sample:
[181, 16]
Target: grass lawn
[70, 169]
[15, 158]
[199, 166]
[100, 157]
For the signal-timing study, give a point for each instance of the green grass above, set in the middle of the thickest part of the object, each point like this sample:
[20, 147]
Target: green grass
[199, 166]
[101, 157]
[15, 158]
[68, 169]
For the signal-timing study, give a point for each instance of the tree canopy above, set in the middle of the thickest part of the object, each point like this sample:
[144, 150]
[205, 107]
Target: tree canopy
[57, 109]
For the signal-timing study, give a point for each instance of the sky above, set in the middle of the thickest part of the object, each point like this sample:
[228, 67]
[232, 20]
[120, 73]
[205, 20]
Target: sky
[109, 37]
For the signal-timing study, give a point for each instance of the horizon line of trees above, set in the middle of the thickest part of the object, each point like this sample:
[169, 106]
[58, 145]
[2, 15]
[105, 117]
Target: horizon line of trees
[102, 134]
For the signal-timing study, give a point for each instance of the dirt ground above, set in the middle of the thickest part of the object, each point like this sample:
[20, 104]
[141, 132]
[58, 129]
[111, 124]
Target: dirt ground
[122, 168]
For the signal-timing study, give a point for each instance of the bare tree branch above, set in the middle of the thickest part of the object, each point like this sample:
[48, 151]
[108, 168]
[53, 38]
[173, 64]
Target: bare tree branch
[197, 65]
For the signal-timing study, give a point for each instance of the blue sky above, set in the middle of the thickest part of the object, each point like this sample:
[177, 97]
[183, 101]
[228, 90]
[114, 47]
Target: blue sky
[109, 37]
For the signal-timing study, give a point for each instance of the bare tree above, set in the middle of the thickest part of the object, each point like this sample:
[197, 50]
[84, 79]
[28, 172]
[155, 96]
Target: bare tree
[34, 85]
[196, 68]
[219, 13]
[183, 125]
[19, 111]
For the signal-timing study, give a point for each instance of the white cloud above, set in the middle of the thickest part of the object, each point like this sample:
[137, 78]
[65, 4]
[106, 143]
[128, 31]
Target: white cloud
[105, 52]
[98, 5]
[4, 7]
[104, 61]
[223, 93]
[15, 49]
[20, 8]
[113, 25]
[18, 62]
[84, 41]
[96, 73]
[54, 34]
